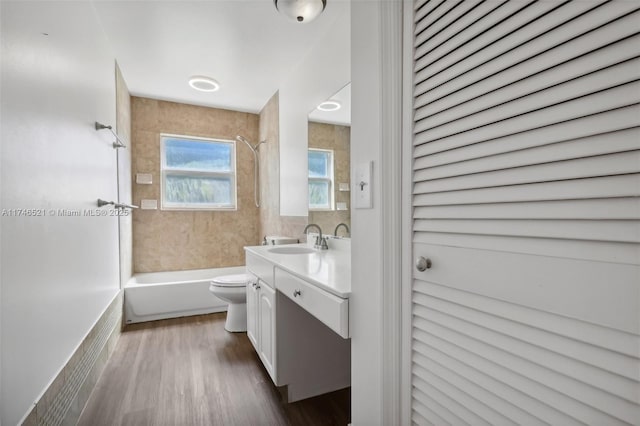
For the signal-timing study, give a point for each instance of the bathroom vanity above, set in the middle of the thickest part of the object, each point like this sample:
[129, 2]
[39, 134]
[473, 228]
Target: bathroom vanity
[298, 316]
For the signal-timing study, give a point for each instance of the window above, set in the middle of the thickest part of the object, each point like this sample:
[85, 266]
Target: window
[320, 179]
[197, 173]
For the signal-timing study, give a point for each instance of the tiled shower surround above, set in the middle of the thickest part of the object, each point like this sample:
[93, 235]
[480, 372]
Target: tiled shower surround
[182, 240]
[66, 396]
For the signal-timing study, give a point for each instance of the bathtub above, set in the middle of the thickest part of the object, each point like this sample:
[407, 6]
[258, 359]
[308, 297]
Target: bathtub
[159, 295]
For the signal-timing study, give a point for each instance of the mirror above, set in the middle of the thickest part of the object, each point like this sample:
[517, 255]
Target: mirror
[325, 68]
[329, 163]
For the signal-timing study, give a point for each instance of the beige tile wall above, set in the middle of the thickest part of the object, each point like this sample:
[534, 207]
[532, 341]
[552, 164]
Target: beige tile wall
[271, 223]
[336, 138]
[180, 240]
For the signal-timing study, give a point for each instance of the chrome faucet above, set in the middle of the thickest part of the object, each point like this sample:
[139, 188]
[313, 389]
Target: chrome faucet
[335, 233]
[320, 243]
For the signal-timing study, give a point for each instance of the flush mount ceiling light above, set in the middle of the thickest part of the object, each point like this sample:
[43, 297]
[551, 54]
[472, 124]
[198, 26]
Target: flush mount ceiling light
[302, 11]
[329, 106]
[204, 84]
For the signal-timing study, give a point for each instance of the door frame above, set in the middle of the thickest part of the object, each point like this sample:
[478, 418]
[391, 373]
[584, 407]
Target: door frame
[407, 215]
[395, 170]
[392, 232]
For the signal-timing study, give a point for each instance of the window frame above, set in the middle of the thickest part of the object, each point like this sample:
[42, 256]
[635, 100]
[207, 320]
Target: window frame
[164, 172]
[330, 180]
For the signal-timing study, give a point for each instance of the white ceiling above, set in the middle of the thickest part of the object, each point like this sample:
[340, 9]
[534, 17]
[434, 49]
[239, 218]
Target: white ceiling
[341, 116]
[246, 45]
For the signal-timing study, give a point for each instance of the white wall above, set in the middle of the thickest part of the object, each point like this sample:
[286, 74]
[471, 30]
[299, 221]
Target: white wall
[366, 251]
[322, 72]
[58, 273]
[1, 387]
[123, 120]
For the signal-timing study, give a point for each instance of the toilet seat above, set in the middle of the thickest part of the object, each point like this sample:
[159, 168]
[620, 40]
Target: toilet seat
[236, 280]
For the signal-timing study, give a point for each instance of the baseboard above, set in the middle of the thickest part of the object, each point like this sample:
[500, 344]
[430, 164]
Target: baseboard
[65, 398]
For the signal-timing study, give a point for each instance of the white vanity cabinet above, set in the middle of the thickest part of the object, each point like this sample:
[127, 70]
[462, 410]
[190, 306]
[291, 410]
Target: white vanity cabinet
[252, 311]
[299, 330]
[331, 310]
[267, 328]
[261, 313]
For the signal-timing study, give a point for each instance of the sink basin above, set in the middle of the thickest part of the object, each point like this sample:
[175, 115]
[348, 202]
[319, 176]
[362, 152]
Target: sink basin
[292, 250]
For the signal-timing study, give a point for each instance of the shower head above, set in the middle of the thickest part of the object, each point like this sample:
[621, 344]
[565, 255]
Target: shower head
[242, 139]
[253, 147]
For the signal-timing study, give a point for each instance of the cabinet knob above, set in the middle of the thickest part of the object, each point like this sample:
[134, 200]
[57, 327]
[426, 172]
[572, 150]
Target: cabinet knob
[297, 293]
[422, 264]
[257, 287]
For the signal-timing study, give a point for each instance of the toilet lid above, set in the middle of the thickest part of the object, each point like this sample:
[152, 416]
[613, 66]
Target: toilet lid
[236, 280]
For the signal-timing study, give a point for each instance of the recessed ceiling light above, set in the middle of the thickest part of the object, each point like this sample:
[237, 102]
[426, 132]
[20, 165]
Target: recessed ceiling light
[329, 106]
[204, 84]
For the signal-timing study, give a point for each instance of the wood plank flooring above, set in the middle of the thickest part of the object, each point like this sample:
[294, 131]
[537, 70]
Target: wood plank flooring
[190, 371]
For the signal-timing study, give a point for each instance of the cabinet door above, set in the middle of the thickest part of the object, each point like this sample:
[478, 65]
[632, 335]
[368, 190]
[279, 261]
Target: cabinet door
[267, 325]
[252, 313]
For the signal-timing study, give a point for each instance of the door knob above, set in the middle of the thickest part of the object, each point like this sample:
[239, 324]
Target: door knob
[423, 263]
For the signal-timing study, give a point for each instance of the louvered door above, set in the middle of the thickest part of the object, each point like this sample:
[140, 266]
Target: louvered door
[526, 188]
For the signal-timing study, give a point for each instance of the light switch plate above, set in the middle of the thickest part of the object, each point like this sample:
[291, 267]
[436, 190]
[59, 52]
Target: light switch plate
[144, 178]
[362, 185]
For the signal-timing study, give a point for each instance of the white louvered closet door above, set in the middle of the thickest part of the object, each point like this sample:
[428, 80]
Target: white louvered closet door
[526, 189]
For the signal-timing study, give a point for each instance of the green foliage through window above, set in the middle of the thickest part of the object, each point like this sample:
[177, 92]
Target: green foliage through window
[320, 179]
[197, 173]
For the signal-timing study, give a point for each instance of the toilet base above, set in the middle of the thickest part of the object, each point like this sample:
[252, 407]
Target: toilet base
[236, 318]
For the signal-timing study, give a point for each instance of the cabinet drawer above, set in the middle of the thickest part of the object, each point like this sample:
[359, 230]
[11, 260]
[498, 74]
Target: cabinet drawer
[333, 311]
[259, 267]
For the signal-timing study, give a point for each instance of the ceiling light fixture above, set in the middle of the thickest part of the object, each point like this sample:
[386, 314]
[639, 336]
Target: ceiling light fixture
[302, 11]
[329, 106]
[204, 84]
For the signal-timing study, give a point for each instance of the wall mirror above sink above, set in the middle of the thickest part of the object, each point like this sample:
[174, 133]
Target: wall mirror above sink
[329, 163]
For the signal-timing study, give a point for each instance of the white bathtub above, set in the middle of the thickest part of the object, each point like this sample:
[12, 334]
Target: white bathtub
[159, 295]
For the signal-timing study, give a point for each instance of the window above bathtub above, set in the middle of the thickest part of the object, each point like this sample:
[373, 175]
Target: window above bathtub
[197, 173]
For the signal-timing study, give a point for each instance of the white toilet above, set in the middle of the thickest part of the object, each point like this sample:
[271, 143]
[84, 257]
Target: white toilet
[233, 290]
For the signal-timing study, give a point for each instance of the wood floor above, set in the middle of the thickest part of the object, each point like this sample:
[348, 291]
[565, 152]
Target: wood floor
[190, 371]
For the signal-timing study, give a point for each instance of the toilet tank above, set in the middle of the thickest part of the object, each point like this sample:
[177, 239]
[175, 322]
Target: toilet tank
[276, 240]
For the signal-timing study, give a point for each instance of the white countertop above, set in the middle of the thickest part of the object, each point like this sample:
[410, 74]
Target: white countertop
[330, 269]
